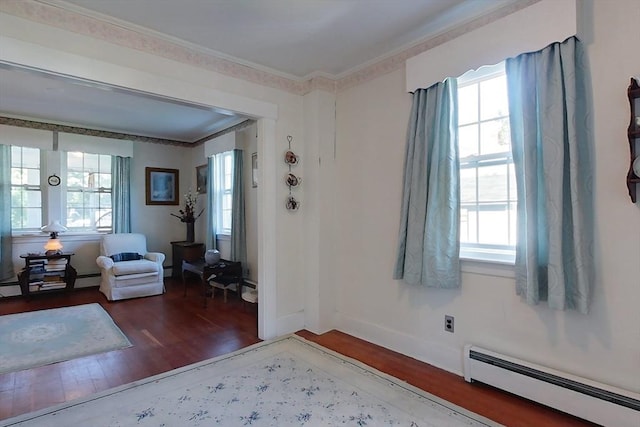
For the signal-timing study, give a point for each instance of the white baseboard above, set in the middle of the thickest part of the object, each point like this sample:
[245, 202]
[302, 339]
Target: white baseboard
[290, 323]
[433, 353]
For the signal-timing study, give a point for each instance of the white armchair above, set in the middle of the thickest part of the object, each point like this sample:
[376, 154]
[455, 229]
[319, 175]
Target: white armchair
[130, 277]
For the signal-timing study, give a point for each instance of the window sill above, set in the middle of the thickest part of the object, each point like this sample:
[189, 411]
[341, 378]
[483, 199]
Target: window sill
[223, 237]
[488, 267]
[37, 236]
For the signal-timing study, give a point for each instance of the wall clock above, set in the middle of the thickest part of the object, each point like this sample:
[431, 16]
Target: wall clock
[54, 180]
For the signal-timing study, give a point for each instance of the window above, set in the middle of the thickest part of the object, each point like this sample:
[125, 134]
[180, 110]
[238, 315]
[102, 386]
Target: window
[88, 203]
[26, 192]
[487, 180]
[224, 191]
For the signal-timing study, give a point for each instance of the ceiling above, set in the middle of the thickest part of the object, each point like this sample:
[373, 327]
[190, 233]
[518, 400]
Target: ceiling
[297, 39]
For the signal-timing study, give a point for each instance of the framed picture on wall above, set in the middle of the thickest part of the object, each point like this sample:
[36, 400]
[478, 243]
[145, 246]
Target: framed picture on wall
[254, 170]
[201, 179]
[161, 186]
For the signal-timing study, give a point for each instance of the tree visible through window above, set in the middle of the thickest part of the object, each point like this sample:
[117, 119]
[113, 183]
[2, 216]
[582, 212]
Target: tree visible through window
[487, 181]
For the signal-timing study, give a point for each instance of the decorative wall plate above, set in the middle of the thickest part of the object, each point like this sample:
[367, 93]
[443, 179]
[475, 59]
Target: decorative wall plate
[290, 158]
[54, 180]
[636, 166]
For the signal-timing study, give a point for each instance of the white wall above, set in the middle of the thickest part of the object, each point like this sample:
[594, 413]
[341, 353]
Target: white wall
[603, 345]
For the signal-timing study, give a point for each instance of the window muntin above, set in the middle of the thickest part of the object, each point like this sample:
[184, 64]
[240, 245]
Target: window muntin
[88, 195]
[487, 181]
[26, 190]
[224, 191]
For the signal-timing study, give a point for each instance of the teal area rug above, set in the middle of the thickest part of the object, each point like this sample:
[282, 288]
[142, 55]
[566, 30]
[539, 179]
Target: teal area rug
[284, 382]
[42, 337]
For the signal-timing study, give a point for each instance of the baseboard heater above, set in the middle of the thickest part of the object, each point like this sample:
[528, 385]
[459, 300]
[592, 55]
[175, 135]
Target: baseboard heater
[586, 399]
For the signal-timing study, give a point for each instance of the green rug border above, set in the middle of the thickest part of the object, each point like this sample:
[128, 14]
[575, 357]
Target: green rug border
[127, 343]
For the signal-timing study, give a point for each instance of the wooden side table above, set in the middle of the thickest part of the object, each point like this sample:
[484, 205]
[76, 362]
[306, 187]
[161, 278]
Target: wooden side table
[46, 273]
[189, 251]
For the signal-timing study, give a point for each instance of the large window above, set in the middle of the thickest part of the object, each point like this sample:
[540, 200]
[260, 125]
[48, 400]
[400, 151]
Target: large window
[88, 203]
[26, 192]
[487, 181]
[223, 191]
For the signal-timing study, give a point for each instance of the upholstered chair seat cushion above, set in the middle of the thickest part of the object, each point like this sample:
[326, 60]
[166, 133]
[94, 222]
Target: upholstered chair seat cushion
[134, 267]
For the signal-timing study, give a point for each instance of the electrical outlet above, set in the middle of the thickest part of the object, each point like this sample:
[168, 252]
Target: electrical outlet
[448, 323]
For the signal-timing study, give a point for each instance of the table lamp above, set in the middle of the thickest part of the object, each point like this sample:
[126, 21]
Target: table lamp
[53, 245]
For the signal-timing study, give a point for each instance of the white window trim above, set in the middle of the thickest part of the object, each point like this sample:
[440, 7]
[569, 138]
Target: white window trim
[54, 198]
[487, 267]
[482, 260]
[219, 177]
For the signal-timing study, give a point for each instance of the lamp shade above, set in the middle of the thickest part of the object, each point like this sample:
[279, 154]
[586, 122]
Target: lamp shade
[54, 227]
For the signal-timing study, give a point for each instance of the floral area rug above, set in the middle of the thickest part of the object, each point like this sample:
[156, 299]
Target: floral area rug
[42, 337]
[284, 382]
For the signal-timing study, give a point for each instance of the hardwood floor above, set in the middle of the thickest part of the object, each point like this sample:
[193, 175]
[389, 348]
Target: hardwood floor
[171, 331]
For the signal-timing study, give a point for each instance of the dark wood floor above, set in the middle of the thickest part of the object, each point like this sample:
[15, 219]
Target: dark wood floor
[171, 331]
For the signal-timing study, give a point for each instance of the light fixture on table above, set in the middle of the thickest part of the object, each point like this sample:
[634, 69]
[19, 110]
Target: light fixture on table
[53, 245]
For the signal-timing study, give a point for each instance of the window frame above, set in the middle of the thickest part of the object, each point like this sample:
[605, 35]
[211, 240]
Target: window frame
[29, 187]
[98, 191]
[220, 191]
[54, 198]
[486, 252]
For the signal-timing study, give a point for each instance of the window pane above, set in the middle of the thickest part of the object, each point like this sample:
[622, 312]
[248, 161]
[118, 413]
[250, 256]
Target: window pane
[513, 189]
[469, 233]
[89, 187]
[16, 157]
[33, 199]
[105, 200]
[492, 183]
[74, 161]
[493, 98]
[512, 224]
[26, 211]
[104, 180]
[226, 220]
[495, 136]
[468, 140]
[468, 185]
[105, 164]
[32, 177]
[33, 218]
[30, 158]
[91, 162]
[467, 104]
[493, 224]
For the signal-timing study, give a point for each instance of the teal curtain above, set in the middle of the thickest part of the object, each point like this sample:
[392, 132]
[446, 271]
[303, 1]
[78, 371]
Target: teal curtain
[551, 137]
[210, 241]
[429, 244]
[121, 193]
[6, 253]
[238, 231]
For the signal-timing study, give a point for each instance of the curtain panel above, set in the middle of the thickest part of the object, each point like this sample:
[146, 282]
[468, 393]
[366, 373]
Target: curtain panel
[551, 137]
[238, 222]
[428, 243]
[210, 240]
[6, 253]
[121, 194]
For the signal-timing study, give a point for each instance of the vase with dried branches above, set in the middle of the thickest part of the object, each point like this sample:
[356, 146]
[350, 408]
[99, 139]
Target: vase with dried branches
[187, 215]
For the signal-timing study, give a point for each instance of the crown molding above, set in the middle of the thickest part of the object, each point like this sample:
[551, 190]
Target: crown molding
[72, 18]
[55, 127]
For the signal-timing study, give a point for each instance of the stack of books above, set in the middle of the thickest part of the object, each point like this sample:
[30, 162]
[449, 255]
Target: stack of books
[52, 282]
[56, 264]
